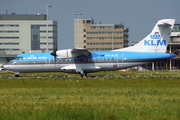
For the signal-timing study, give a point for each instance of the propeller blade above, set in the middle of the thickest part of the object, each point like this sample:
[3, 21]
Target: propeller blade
[53, 53]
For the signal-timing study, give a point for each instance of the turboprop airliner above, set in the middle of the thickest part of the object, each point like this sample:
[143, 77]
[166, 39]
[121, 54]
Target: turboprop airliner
[82, 61]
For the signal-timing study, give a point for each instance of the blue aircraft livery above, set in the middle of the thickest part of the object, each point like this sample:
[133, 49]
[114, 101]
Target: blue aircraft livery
[82, 61]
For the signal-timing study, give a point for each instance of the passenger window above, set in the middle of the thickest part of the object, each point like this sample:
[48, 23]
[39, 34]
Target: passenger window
[22, 58]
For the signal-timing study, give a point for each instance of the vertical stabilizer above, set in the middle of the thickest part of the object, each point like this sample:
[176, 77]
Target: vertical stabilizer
[157, 40]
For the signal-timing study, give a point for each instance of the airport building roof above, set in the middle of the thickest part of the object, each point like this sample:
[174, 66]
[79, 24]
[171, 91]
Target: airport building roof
[14, 16]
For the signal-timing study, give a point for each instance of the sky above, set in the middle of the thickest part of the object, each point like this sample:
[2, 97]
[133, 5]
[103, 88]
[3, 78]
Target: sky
[139, 16]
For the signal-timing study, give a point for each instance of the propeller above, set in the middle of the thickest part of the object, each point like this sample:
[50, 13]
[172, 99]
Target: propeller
[54, 54]
[54, 51]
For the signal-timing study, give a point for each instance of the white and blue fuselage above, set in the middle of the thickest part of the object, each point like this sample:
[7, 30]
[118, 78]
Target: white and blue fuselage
[96, 61]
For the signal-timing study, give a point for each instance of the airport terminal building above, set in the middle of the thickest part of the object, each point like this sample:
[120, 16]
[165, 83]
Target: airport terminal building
[23, 33]
[26, 33]
[99, 37]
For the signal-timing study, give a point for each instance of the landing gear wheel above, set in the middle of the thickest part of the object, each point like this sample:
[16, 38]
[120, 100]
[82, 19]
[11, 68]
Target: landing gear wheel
[16, 74]
[83, 74]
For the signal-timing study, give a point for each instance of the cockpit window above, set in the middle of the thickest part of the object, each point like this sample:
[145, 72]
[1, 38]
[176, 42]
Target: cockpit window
[15, 58]
[18, 58]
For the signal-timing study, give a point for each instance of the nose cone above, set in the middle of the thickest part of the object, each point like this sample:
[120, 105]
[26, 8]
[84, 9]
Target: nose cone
[2, 67]
[5, 66]
[8, 67]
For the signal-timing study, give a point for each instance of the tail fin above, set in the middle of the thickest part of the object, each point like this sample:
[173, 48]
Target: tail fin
[157, 40]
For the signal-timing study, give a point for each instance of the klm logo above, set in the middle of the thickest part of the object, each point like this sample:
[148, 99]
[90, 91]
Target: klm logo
[154, 41]
[155, 36]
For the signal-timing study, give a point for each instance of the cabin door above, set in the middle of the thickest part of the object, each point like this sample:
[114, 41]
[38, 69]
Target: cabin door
[120, 59]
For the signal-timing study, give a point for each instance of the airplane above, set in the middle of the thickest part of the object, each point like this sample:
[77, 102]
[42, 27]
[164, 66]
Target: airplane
[82, 61]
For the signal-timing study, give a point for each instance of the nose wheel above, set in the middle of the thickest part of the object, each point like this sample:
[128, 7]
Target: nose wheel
[16, 74]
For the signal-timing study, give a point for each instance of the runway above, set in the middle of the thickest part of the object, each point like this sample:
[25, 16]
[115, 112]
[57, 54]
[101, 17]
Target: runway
[54, 76]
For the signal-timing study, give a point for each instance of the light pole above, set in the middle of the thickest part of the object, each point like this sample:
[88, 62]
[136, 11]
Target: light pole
[47, 27]
[78, 26]
[99, 46]
[112, 40]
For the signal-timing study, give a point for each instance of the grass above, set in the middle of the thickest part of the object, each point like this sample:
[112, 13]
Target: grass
[140, 95]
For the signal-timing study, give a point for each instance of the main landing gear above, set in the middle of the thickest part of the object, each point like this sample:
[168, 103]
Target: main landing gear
[82, 73]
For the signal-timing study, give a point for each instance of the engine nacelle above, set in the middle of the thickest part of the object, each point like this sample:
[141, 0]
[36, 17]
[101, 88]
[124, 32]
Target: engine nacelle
[66, 54]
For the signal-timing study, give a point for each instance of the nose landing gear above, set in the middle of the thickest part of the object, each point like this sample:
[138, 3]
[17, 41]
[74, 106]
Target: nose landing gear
[16, 74]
